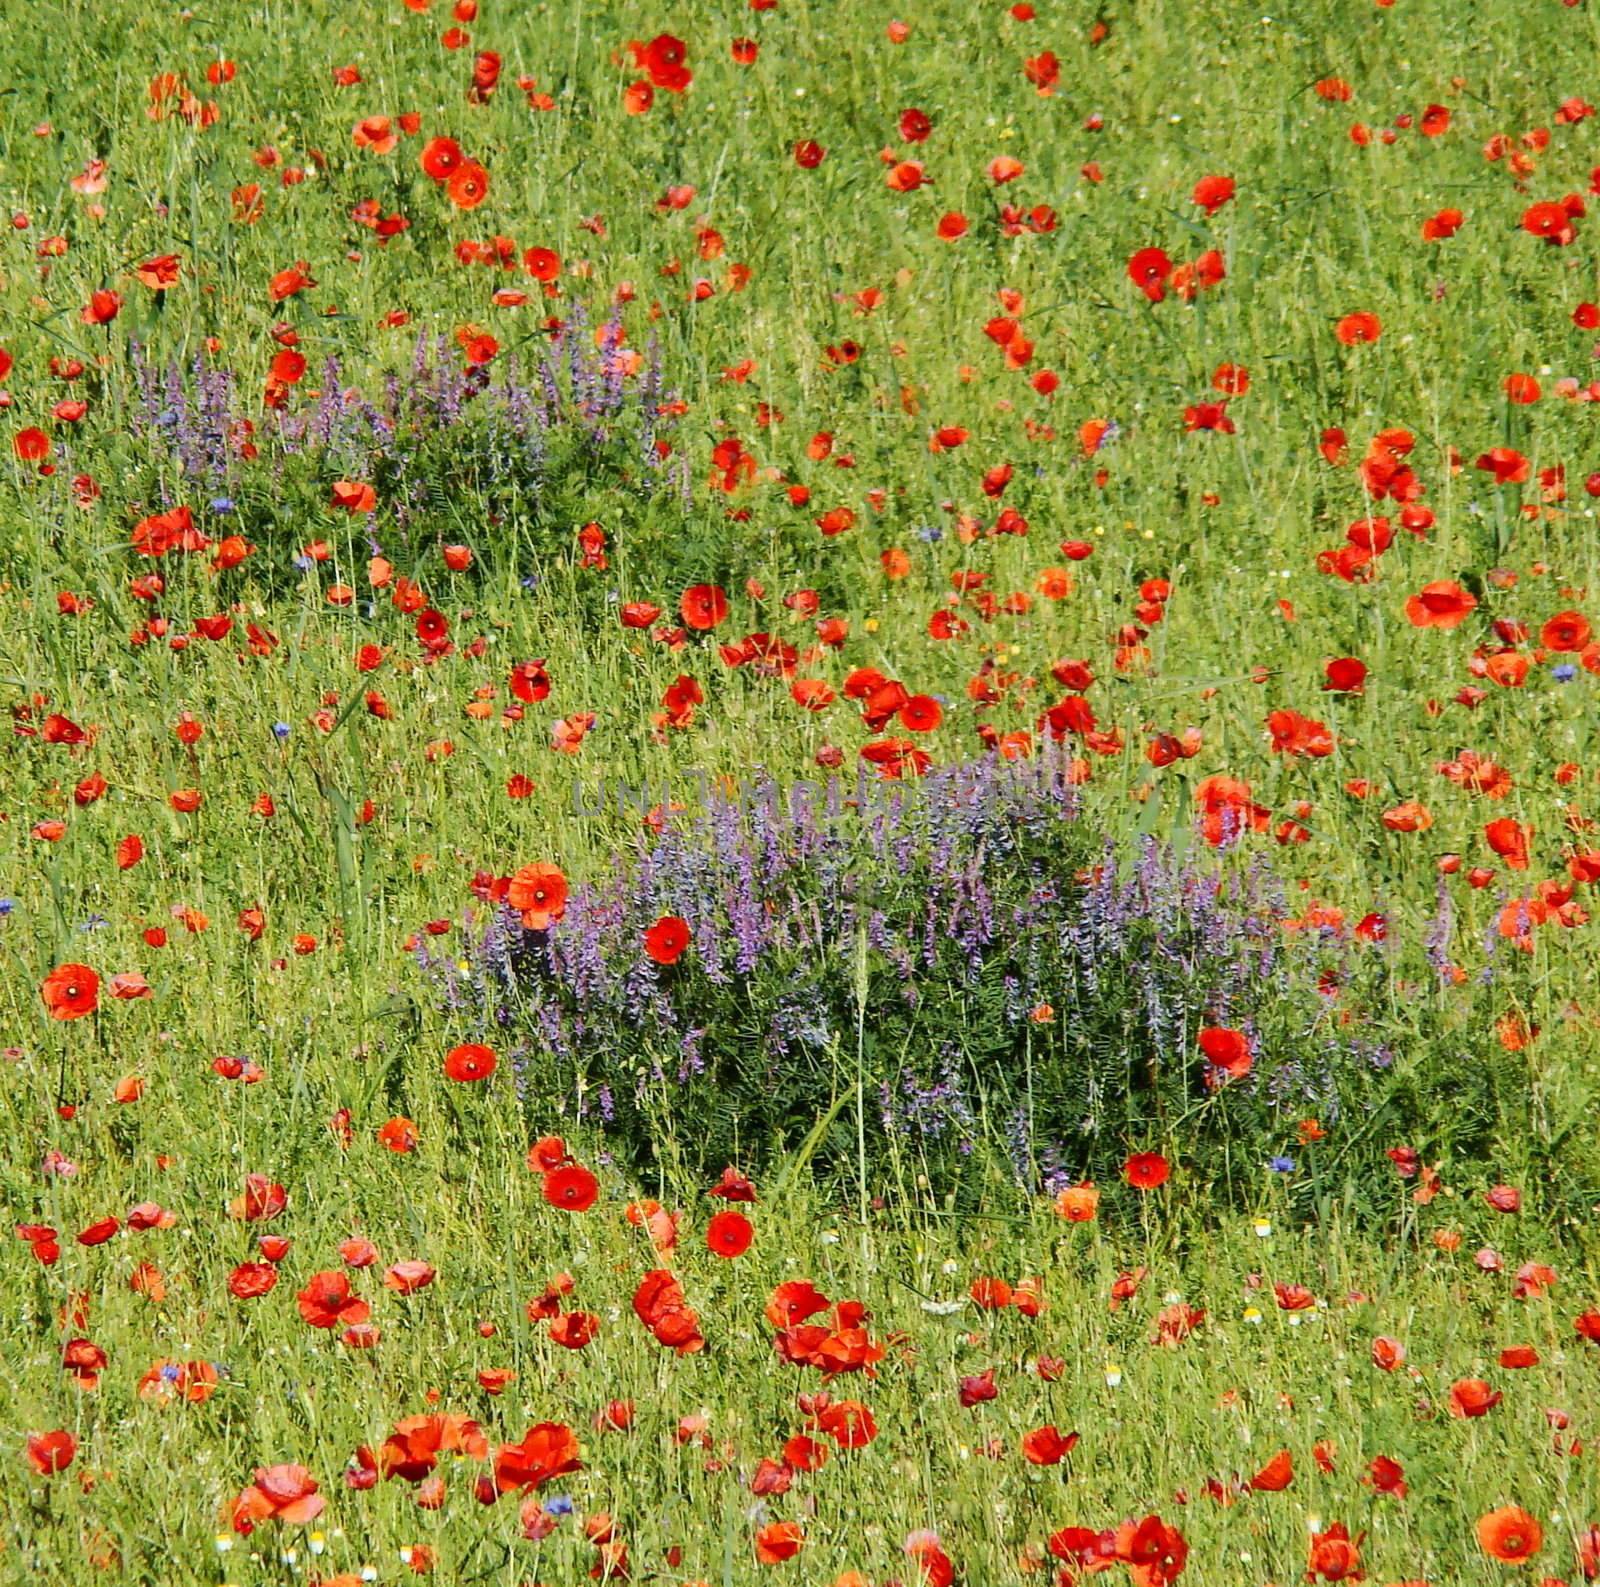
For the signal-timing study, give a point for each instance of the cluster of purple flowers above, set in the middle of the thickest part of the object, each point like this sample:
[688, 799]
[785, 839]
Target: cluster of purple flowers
[962, 944]
[431, 428]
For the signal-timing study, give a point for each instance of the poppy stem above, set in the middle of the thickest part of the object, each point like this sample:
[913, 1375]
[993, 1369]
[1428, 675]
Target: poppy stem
[861, 1082]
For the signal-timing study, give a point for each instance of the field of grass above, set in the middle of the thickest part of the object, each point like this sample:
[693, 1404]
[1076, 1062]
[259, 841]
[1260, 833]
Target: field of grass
[953, 611]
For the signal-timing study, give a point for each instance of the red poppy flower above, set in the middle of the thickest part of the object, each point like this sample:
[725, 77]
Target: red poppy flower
[70, 991]
[1294, 734]
[574, 1329]
[1045, 1446]
[978, 1389]
[547, 1154]
[1442, 604]
[1335, 1555]
[1507, 1198]
[399, 1135]
[1566, 631]
[1550, 221]
[281, 1493]
[662, 61]
[703, 606]
[1146, 1170]
[405, 1278]
[529, 682]
[1228, 1049]
[547, 1450]
[540, 892]
[1472, 1397]
[659, 1304]
[729, 1234]
[1508, 465]
[778, 1541]
[103, 307]
[327, 1301]
[667, 940]
[920, 714]
[1149, 270]
[1276, 1475]
[471, 1061]
[1212, 192]
[354, 496]
[468, 185]
[31, 444]
[1078, 1203]
[1387, 1353]
[49, 1453]
[441, 158]
[1510, 1535]
[543, 264]
[159, 273]
[1509, 839]
[262, 1200]
[1360, 327]
[571, 1187]
[251, 1280]
[1347, 675]
[412, 1450]
[733, 1186]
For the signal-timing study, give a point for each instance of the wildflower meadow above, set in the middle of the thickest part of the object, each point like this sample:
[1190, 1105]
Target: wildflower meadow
[799, 794]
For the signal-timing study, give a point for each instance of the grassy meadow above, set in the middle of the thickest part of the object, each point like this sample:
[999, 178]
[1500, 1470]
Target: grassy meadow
[799, 793]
